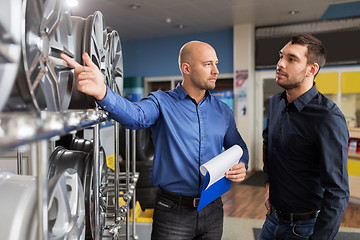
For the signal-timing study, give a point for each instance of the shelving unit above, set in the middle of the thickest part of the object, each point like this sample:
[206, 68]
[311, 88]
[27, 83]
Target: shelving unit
[39, 131]
[19, 129]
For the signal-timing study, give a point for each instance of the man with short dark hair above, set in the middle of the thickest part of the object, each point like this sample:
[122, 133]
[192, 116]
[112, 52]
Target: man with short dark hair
[305, 150]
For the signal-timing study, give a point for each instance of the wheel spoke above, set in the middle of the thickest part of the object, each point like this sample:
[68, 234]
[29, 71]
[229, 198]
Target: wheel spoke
[51, 17]
[59, 210]
[50, 86]
[36, 74]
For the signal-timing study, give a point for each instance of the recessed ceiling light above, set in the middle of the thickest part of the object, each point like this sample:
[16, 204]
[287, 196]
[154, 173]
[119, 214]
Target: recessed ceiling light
[72, 3]
[168, 20]
[293, 12]
[135, 5]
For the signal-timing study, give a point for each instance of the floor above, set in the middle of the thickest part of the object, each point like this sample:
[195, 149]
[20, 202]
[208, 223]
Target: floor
[247, 201]
[244, 212]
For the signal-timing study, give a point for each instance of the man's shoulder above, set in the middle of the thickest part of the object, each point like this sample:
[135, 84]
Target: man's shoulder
[162, 97]
[327, 104]
[221, 105]
[163, 94]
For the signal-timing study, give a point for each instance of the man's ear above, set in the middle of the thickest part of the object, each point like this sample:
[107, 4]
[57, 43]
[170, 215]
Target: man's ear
[185, 68]
[312, 70]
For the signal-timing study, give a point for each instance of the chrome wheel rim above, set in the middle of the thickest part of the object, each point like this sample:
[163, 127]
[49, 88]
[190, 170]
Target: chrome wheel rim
[90, 36]
[47, 33]
[96, 34]
[115, 63]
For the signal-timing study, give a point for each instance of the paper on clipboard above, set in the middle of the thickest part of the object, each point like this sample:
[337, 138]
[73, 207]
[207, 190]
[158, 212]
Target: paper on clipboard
[215, 183]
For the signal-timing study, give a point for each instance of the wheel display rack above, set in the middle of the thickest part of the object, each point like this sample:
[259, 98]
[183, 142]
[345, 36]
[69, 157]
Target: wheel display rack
[39, 104]
[48, 127]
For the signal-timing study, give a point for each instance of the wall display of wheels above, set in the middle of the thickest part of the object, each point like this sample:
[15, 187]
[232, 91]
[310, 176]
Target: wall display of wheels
[66, 209]
[34, 77]
[42, 81]
[35, 82]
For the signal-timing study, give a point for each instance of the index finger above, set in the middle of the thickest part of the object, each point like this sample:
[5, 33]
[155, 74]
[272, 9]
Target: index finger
[69, 60]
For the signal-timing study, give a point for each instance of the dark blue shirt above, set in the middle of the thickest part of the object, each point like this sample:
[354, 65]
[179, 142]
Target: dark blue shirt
[305, 159]
[185, 134]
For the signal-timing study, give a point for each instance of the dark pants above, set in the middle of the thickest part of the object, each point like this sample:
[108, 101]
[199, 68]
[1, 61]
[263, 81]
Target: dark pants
[275, 230]
[173, 220]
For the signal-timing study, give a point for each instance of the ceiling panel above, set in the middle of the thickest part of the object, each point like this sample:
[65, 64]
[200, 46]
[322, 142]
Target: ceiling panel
[148, 21]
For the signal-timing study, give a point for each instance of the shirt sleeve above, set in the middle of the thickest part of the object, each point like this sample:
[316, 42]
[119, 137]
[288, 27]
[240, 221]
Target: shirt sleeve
[333, 137]
[132, 115]
[233, 137]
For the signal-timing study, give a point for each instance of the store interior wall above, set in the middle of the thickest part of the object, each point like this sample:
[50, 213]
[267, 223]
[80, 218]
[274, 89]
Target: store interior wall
[159, 56]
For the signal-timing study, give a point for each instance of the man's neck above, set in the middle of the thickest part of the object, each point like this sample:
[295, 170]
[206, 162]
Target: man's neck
[293, 94]
[195, 93]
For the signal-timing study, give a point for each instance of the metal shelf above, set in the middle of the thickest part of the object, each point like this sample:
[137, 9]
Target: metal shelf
[21, 128]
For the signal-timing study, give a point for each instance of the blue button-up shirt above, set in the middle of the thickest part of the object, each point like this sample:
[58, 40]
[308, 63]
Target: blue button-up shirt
[305, 159]
[185, 134]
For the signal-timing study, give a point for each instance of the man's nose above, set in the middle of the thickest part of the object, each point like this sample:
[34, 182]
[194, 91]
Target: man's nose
[280, 63]
[215, 70]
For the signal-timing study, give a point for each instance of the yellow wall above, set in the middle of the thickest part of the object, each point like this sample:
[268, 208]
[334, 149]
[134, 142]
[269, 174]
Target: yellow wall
[354, 167]
[350, 82]
[327, 83]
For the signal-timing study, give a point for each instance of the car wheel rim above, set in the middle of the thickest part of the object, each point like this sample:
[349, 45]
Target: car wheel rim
[115, 59]
[47, 33]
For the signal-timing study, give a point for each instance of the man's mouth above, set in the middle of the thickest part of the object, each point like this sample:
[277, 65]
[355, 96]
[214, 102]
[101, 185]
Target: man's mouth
[280, 73]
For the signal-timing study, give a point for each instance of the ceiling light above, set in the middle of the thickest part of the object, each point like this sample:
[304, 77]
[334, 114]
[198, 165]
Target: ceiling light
[72, 3]
[135, 5]
[293, 12]
[181, 26]
[168, 20]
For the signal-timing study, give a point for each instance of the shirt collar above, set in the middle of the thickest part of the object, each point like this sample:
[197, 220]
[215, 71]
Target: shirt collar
[304, 99]
[182, 93]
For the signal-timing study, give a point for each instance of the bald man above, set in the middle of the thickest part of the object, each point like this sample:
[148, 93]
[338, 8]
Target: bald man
[189, 127]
